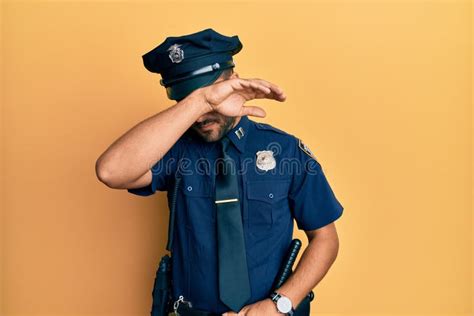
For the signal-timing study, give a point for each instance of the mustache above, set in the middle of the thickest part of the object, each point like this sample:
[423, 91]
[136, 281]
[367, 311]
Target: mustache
[206, 121]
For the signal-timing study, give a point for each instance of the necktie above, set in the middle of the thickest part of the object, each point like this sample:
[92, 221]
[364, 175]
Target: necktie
[234, 284]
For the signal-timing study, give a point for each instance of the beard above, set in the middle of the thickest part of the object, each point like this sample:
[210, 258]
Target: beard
[213, 127]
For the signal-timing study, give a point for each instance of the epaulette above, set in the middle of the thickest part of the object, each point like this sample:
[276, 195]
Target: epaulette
[268, 127]
[303, 147]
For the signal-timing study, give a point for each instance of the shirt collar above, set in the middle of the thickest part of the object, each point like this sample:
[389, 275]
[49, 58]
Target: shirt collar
[239, 134]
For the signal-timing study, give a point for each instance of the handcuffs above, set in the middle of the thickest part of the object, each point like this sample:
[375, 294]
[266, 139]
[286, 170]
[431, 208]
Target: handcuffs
[179, 301]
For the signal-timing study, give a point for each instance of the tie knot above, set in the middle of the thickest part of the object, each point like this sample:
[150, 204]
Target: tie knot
[225, 143]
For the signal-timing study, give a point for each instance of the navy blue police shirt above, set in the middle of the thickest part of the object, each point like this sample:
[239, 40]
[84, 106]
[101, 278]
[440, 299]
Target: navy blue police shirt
[280, 180]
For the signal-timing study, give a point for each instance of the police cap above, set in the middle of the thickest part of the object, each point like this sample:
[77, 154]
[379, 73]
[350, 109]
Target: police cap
[191, 61]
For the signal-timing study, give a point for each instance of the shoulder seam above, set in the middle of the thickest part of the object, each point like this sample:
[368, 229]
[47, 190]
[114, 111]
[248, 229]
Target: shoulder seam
[268, 127]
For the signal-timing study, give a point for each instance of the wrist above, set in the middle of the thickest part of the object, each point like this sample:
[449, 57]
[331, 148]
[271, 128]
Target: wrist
[197, 101]
[282, 303]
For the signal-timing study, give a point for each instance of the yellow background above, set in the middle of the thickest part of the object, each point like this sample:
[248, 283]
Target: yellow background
[380, 91]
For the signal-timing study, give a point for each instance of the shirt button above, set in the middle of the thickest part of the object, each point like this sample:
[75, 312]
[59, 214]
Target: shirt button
[190, 188]
[270, 195]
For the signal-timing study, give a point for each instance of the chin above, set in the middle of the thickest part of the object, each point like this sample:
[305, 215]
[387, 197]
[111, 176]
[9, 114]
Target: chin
[216, 133]
[210, 136]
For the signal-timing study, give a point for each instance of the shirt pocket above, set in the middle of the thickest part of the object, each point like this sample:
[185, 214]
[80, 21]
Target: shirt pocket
[266, 200]
[200, 210]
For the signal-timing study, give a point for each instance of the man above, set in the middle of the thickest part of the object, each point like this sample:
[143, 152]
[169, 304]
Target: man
[242, 183]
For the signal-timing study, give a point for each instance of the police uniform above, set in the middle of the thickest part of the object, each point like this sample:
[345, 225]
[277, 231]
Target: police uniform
[279, 180]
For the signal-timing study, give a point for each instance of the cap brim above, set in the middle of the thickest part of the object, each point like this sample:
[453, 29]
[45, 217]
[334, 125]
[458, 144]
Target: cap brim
[182, 89]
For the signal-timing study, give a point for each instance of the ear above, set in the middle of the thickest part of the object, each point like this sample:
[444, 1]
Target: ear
[235, 75]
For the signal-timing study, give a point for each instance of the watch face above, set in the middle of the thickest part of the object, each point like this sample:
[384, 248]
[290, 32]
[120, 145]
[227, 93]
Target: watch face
[284, 304]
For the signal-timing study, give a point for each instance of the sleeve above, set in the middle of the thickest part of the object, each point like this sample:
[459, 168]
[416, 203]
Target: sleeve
[311, 198]
[161, 171]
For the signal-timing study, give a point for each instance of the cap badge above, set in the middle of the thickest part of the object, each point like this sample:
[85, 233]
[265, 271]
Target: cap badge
[176, 53]
[265, 160]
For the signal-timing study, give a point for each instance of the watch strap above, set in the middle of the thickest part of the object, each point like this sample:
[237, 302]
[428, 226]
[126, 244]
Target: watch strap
[275, 296]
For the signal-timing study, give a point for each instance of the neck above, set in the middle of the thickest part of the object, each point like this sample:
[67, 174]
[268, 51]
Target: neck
[237, 120]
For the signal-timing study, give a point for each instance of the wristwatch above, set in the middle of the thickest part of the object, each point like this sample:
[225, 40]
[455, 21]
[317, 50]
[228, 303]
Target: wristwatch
[283, 303]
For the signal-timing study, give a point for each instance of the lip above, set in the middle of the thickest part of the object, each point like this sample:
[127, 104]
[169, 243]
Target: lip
[207, 126]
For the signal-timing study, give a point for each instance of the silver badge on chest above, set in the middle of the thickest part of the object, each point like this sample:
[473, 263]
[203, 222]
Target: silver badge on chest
[265, 160]
[176, 53]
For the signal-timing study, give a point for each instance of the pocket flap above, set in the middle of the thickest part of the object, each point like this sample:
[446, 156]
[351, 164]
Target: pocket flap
[267, 190]
[193, 186]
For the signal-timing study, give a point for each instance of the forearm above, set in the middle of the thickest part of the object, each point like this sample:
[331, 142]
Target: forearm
[136, 151]
[312, 267]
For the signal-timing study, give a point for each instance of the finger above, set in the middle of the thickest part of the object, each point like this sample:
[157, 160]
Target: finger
[280, 97]
[260, 87]
[253, 111]
[275, 88]
[276, 92]
[265, 89]
[245, 84]
[263, 82]
[242, 82]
